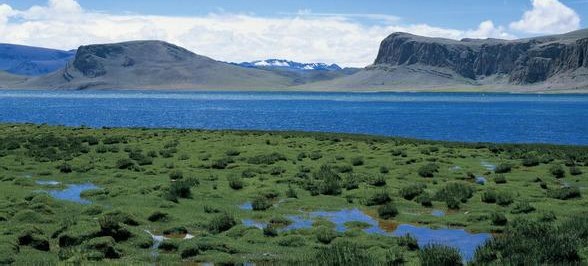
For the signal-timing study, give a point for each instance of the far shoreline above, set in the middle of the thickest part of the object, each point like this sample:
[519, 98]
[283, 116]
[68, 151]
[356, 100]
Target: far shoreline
[579, 92]
[321, 134]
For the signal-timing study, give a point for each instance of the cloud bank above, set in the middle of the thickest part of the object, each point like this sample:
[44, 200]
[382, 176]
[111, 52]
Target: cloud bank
[548, 16]
[302, 36]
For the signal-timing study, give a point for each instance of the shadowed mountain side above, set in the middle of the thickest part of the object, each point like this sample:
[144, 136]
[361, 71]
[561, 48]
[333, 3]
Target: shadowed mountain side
[32, 61]
[152, 64]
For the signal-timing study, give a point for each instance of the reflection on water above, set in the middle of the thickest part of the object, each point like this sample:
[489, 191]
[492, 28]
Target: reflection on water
[72, 193]
[47, 182]
[246, 206]
[253, 223]
[464, 241]
[438, 213]
[488, 166]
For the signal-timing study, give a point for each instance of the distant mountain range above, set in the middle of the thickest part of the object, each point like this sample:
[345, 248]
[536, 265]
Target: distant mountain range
[32, 61]
[286, 64]
[557, 63]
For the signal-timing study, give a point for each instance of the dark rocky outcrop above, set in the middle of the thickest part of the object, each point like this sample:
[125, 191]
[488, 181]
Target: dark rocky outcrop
[524, 61]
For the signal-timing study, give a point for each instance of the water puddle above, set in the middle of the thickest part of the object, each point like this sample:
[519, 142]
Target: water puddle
[246, 206]
[72, 193]
[438, 213]
[455, 168]
[488, 166]
[464, 241]
[47, 182]
[158, 239]
[480, 180]
[253, 223]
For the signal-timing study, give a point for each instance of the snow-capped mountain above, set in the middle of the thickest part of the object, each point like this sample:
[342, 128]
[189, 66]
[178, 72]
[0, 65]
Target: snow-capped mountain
[286, 64]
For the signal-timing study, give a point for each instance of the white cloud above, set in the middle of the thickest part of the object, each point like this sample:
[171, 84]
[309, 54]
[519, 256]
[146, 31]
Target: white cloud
[486, 29]
[546, 17]
[305, 37]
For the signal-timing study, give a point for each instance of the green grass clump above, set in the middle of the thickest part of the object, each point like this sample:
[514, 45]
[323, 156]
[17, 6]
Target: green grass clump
[498, 218]
[158, 216]
[325, 235]
[459, 191]
[378, 198]
[329, 182]
[33, 237]
[565, 193]
[428, 170]
[181, 189]
[557, 171]
[500, 179]
[425, 199]
[261, 203]
[236, 182]
[574, 170]
[489, 196]
[270, 231]
[408, 241]
[522, 207]
[221, 223]
[343, 253]
[503, 168]
[357, 161]
[176, 175]
[412, 191]
[292, 241]
[267, 159]
[435, 255]
[528, 242]
[387, 211]
[504, 198]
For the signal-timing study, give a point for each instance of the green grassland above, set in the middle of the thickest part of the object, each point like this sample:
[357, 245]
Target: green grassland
[177, 181]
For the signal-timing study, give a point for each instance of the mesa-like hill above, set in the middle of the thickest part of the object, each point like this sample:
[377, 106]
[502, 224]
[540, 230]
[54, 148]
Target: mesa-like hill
[411, 62]
[150, 65]
[32, 61]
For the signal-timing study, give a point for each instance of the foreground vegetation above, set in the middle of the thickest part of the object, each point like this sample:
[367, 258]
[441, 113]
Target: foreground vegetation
[187, 182]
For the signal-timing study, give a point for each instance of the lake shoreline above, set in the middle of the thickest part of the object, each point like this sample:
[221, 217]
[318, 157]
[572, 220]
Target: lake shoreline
[283, 90]
[351, 136]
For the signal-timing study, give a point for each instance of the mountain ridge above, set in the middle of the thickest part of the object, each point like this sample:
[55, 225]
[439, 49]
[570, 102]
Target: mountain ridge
[556, 63]
[32, 61]
[411, 62]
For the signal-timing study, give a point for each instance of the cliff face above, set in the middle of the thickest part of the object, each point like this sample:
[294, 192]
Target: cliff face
[523, 61]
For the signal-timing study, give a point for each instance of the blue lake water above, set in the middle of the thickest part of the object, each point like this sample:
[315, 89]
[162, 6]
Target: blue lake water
[472, 117]
[73, 193]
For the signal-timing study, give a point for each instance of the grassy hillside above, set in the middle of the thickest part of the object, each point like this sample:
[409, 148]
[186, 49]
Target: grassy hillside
[195, 183]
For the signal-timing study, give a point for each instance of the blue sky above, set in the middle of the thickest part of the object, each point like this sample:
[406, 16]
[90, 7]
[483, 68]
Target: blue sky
[459, 14]
[344, 32]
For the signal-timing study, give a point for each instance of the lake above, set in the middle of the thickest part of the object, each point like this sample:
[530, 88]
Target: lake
[470, 117]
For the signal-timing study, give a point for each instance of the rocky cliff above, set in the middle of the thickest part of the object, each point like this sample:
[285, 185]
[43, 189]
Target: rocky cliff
[523, 61]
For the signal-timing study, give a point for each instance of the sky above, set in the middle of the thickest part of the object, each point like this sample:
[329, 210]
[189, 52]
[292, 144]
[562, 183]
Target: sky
[345, 32]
